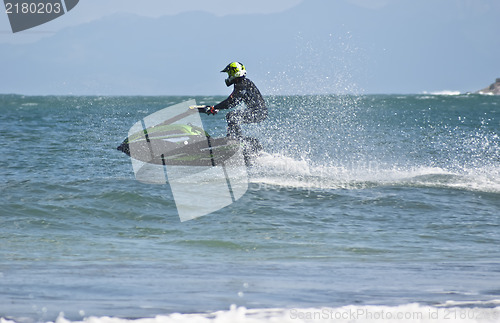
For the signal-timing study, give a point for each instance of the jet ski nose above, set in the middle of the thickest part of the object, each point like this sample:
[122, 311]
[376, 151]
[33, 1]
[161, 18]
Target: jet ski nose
[124, 148]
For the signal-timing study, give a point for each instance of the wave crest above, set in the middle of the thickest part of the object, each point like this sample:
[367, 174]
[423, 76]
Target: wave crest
[283, 171]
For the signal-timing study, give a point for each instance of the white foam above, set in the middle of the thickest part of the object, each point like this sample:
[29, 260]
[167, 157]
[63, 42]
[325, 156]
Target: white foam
[407, 313]
[444, 92]
[282, 171]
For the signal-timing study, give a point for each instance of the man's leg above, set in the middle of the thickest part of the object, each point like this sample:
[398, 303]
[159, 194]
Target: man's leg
[234, 118]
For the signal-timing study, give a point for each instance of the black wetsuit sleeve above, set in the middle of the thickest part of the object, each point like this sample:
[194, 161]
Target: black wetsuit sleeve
[244, 91]
[233, 100]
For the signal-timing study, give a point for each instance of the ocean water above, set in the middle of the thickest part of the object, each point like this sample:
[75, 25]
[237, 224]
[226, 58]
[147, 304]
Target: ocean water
[368, 208]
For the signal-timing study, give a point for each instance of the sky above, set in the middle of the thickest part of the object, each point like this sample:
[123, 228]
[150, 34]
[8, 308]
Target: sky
[90, 10]
[163, 47]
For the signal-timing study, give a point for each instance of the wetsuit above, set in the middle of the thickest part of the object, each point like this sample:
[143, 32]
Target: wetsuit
[244, 91]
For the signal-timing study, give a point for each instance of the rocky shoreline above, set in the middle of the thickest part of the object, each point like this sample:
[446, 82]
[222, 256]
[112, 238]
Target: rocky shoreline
[492, 89]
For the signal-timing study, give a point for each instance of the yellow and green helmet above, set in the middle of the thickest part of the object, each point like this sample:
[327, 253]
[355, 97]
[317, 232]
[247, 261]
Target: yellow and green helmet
[234, 70]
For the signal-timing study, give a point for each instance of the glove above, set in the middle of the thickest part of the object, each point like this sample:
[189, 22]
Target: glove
[210, 110]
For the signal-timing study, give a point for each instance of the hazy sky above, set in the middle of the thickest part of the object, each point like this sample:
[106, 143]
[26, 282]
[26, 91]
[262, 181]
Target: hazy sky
[290, 46]
[88, 10]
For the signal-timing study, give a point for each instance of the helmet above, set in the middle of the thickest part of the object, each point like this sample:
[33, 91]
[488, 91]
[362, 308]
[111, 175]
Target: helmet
[234, 70]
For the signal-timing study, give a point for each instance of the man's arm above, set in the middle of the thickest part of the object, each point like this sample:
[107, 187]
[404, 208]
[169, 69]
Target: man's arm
[233, 100]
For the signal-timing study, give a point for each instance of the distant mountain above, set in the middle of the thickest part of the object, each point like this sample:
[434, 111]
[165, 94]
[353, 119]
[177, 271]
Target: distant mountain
[319, 46]
[494, 88]
[181, 54]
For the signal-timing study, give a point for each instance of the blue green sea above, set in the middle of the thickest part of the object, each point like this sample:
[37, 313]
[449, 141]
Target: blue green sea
[369, 208]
